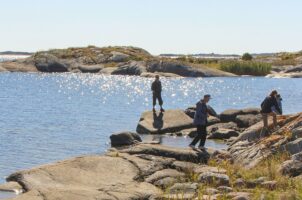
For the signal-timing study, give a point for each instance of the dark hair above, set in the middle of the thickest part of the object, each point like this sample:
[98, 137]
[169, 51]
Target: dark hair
[273, 93]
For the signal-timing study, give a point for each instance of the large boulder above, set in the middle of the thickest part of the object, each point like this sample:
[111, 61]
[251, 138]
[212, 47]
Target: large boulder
[223, 134]
[50, 63]
[131, 68]
[124, 139]
[244, 121]
[170, 121]
[230, 115]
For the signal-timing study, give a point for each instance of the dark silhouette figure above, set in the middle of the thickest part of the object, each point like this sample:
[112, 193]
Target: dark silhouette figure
[156, 92]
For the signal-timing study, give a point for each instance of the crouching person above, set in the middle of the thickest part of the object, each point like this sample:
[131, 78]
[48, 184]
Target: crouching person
[269, 107]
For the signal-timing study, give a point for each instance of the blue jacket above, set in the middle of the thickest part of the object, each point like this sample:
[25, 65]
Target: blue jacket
[201, 114]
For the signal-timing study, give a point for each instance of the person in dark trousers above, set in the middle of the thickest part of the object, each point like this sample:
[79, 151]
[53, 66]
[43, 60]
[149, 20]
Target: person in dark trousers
[200, 121]
[156, 91]
[266, 110]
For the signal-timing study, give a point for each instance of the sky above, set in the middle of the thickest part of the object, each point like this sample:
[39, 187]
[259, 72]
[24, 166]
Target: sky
[159, 26]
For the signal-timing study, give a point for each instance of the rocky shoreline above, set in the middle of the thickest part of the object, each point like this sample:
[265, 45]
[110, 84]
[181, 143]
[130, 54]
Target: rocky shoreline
[134, 169]
[123, 61]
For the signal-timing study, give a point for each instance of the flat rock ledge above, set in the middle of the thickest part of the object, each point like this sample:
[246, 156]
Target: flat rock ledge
[142, 171]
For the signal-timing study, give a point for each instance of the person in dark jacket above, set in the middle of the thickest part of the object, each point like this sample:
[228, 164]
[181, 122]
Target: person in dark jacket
[156, 92]
[200, 121]
[266, 109]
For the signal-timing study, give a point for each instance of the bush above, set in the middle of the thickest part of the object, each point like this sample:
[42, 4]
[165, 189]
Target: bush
[247, 56]
[246, 67]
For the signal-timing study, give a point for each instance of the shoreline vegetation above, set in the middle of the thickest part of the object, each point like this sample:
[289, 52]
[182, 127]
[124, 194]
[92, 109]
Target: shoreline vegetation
[139, 62]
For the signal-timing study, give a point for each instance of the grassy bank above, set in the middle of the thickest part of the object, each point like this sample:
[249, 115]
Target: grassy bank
[285, 188]
[246, 67]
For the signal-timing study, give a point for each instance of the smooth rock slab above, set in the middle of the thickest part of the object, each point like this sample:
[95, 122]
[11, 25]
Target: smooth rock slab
[88, 177]
[163, 122]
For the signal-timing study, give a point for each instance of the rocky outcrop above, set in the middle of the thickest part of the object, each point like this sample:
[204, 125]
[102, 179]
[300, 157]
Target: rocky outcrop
[169, 121]
[249, 148]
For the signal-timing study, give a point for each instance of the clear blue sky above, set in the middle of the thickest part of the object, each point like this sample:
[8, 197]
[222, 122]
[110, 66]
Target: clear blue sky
[159, 26]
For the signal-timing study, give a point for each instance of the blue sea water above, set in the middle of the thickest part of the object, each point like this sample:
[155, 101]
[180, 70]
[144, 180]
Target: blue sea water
[48, 117]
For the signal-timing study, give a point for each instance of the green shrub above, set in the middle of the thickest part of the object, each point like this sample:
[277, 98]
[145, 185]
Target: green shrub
[247, 56]
[246, 67]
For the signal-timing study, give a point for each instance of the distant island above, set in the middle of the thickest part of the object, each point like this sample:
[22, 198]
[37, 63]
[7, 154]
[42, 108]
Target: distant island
[15, 53]
[128, 60]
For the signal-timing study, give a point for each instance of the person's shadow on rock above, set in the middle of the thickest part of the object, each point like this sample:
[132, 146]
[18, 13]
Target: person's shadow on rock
[158, 122]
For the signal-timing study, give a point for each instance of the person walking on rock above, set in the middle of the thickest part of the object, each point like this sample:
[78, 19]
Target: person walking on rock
[156, 91]
[200, 121]
[267, 106]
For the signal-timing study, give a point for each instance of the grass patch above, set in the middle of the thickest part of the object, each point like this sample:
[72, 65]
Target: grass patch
[246, 67]
[286, 188]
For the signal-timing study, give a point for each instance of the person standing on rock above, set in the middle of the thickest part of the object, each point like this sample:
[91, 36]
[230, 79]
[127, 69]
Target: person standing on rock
[156, 92]
[200, 121]
[266, 110]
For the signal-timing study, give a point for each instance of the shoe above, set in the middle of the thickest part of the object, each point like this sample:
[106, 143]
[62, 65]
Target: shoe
[201, 148]
[264, 133]
[162, 110]
[154, 110]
